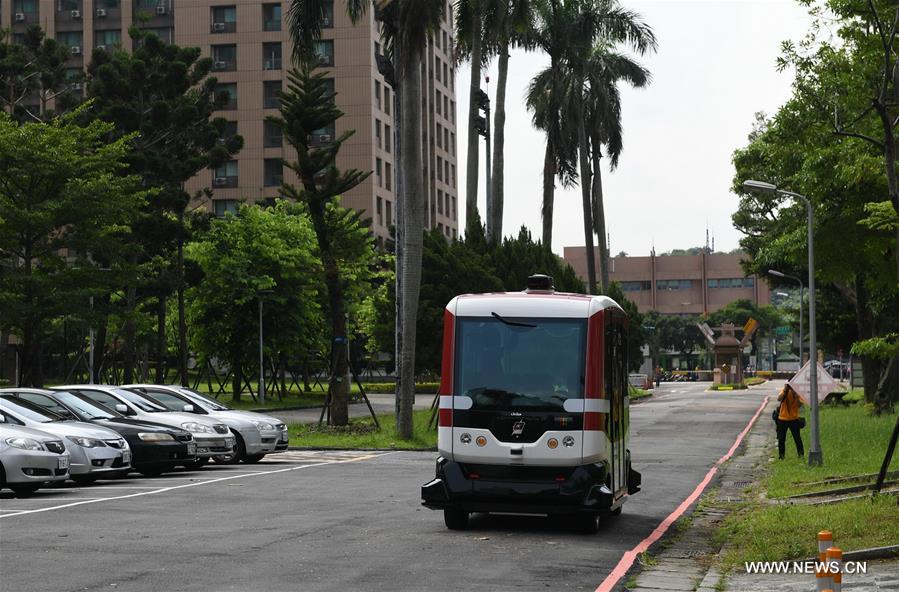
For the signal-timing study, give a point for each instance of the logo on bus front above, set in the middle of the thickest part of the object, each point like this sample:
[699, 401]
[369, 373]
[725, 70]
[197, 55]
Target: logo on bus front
[518, 428]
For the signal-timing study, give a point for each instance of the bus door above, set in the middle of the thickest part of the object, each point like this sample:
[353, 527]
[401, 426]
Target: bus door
[616, 389]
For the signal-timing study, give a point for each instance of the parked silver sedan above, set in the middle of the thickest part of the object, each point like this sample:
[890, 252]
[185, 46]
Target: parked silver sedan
[94, 451]
[212, 436]
[30, 459]
[257, 434]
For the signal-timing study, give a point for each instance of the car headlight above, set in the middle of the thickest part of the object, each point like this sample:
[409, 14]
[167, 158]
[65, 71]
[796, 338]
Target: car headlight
[155, 436]
[262, 425]
[24, 443]
[86, 442]
[197, 428]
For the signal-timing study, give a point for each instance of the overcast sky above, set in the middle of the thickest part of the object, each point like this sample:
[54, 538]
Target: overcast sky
[714, 69]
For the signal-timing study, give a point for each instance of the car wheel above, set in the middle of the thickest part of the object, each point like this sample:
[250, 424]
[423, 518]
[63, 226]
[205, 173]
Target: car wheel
[588, 523]
[197, 463]
[240, 452]
[2, 476]
[252, 459]
[83, 479]
[455, 518]
[24, 489]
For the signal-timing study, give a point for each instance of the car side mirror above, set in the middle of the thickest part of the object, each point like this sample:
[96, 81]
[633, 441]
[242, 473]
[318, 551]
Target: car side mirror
[188, 408]
[122, 408]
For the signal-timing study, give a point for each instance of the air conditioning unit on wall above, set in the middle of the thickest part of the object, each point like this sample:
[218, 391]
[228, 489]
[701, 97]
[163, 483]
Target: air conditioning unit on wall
[101, 13]
[162, 9]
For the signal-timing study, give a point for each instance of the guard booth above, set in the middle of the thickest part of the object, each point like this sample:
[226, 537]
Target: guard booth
[728, 353]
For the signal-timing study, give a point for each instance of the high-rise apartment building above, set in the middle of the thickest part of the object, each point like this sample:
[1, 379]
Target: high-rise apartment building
[250, 46]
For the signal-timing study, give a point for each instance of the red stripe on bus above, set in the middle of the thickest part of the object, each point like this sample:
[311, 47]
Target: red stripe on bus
[593, 386]
[593, 421]
[446, 418]
[446, 373]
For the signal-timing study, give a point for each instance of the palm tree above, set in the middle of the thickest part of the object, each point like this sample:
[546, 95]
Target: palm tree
[469, 35]
[406, 25]
[605, 68]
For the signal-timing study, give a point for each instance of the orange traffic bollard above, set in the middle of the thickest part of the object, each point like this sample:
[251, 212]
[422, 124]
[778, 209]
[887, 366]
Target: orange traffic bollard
[823, 578]
[835, 556]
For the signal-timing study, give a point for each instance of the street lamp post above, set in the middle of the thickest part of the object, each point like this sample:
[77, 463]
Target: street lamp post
[815, 455]
[776, 273]
[261, 295]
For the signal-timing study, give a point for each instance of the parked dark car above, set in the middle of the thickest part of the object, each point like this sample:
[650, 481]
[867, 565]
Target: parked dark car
[155, 448]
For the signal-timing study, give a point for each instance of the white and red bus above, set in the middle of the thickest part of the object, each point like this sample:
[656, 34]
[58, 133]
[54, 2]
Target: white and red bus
[534, 407]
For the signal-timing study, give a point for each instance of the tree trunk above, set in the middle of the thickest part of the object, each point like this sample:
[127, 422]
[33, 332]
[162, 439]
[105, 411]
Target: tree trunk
[474, 140]
[129, 352]
[236, 375]
[599, 216]
[413, 218]
[888, 387]
[160, 341]
[182, 320]
[495, 224]
[584, 160]
[399, 235]
[864, 320]
[549, 188]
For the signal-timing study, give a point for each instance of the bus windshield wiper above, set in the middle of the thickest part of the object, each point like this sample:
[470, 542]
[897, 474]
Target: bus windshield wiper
[512, 323]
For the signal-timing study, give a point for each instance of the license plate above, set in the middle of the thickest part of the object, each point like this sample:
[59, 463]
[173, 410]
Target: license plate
[192, 448]
[126, 457]
[62, 462]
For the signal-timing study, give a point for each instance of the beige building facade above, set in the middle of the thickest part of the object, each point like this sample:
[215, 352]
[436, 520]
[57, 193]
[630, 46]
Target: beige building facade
[251, 51]
[679, 284]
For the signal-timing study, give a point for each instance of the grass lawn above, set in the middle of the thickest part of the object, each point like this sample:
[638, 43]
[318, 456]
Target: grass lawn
[755, 380]
[361, 433]
[853, 443]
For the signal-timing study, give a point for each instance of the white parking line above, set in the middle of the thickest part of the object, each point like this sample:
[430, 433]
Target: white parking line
[186, 485]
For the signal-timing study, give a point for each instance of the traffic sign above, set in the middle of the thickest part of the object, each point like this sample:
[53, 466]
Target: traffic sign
[801, 382]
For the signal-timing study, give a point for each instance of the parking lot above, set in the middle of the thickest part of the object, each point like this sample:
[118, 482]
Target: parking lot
[344, 521]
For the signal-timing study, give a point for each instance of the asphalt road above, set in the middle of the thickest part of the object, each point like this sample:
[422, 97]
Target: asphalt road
[346, 521]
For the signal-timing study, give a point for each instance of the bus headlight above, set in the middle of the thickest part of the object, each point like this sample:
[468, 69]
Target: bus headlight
[552, 443]
[568, 441]
[481, 441]
[465, 438]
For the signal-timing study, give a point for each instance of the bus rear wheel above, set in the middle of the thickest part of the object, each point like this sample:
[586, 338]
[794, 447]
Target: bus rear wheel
[455, 518]
[588, 523]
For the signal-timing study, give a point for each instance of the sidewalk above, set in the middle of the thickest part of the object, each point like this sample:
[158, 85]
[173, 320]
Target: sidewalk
[687, 560]
[381, 403]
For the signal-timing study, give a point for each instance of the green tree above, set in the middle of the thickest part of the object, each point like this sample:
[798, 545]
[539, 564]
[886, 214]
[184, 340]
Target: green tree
[406, 25]
[165, 96]
[306, 106]
[63, 195]
[257, 253]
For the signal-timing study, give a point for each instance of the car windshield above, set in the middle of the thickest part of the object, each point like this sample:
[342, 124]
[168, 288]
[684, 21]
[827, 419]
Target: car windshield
[85, 408]
[532, 364]
[204, 400]
[142, 402]
[29, 411]
[171, 401]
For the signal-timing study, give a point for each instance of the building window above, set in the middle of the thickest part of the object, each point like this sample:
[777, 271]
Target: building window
[378, 132]
[226, 175]
[328, 14]
[437, 101]
[224, 19]
[388, 175]
[674, 284]
[271, 17]
[273, 172]
[270, 90]
[324, 51]
[323, 135]
[271, 135]
[439, 169]
[70, 39]
[437, 67]
[66, 5]
[224, 206]
[439, 201]
[109, 39]
[26, 7]
[378, 211]
[387, 100]
[636, 286]
[224, 58]
[439, 136]
[454, 207]
[445, 75]
[731, 283]
[229, 130]
[388, 133]
[389, 205]
[227, 93]
[378, 172]
[453, 141]
[446, 170]
[449, 109]
[378, 93]
[453, 177]
[444, 41]
[271, 56]
[446, 204]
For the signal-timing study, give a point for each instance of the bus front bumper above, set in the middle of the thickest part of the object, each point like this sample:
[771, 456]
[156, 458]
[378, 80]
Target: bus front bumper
[526, 490]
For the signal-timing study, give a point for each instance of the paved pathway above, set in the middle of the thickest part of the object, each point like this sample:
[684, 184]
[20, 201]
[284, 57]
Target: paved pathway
[381, 403]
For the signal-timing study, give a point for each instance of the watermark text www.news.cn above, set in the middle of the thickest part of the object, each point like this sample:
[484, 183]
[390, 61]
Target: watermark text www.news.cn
[806, 567]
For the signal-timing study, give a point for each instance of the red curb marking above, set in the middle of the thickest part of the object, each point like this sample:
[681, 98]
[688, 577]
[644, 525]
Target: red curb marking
[627, 560]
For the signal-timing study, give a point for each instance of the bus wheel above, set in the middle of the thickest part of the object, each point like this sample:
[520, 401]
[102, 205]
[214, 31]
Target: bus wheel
[455, 518]
[588, 524]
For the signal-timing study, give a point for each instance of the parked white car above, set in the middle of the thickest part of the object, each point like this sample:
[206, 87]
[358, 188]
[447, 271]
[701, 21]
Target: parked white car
[256, 434]
[213, 438]
[30, 459]
[94, 451]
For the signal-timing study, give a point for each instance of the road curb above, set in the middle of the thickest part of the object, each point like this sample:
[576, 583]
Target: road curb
[338, 448]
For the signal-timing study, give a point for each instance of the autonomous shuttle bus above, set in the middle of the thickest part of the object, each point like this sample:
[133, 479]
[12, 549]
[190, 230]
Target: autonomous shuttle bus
[534, 407]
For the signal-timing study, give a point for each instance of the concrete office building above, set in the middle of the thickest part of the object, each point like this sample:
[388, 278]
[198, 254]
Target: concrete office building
[679, 284]
[250, 47]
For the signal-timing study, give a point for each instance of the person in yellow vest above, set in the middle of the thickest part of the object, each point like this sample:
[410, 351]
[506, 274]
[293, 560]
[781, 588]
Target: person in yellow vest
[789, 418]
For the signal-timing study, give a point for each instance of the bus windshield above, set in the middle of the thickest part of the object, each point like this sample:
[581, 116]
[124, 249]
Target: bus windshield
[527, 364]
